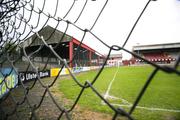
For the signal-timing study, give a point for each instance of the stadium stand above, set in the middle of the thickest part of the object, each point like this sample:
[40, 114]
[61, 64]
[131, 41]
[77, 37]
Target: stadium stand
[67, 48]
[157, 53]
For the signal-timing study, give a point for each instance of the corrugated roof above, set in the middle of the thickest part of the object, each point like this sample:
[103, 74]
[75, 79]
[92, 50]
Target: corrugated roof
[50, 34]
[156, 46]
[115, 56]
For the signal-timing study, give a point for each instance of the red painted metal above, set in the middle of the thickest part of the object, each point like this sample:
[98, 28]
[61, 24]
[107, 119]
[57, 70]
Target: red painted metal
[90, 57]
[82, 45]
[70, 53]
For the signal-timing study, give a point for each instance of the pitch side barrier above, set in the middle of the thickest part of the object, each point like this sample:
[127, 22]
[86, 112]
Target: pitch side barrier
[55, 71]
[30, 75]
[8, 80]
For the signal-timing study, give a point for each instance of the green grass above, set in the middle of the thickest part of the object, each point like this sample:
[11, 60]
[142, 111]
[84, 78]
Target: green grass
[163, 91]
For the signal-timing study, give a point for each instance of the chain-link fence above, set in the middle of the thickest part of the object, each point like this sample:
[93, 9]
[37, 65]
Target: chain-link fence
[16, 27]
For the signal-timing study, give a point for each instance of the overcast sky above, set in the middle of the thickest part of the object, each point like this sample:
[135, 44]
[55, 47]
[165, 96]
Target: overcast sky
[159, 24]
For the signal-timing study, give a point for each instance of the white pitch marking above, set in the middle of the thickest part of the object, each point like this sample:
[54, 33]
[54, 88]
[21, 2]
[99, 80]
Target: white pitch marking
[148, 108]
[129, 104]
[110, 84]
[109, 87]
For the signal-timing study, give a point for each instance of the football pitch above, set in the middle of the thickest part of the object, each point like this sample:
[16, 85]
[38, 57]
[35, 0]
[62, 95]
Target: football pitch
[121, 86]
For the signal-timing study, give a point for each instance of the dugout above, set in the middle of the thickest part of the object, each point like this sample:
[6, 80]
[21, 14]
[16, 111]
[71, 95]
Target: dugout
[158, 53]
[68, 48]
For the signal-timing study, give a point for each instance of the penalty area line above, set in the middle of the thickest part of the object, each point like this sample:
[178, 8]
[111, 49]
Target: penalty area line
[106, 95]
[148, 108]
[128, 104]
[110, 84]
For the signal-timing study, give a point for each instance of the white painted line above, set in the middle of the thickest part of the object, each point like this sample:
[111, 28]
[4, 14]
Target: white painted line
[149, 108]
[109, 88]
[128, 104]
[118, 98]
[110, 84]
[113, 97]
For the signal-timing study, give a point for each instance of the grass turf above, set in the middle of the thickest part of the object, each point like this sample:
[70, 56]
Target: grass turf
[163, 91]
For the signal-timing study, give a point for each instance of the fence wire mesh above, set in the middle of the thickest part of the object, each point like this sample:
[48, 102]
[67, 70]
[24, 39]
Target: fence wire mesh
[16, 27]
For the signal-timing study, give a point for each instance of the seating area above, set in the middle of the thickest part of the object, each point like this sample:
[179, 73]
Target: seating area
[165, 53]
[157, 57]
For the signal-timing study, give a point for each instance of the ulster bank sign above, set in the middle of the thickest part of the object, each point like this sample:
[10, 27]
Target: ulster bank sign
[29, 75]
